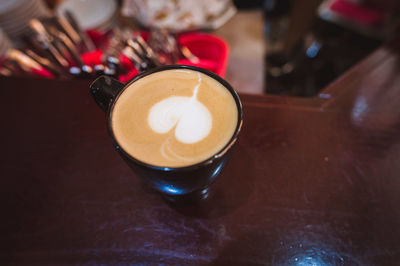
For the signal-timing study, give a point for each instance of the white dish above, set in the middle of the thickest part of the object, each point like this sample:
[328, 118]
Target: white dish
[180, 15]
[90, 14]
[7, 5]
[16, 20]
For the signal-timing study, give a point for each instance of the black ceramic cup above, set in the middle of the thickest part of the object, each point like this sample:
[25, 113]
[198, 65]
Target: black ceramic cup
[186, 183]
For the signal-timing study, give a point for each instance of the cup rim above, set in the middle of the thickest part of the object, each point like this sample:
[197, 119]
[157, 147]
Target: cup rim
[207, 161]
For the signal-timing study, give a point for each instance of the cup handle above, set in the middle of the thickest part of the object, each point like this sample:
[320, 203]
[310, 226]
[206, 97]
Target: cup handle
[104, 89]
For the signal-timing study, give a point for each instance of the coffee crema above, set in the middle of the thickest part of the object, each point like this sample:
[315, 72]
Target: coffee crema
[174, 118]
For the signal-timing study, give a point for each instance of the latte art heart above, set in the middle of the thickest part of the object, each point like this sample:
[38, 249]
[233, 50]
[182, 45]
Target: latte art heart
[191, 119]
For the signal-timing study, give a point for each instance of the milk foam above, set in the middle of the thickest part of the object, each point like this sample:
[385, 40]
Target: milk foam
[192, 119]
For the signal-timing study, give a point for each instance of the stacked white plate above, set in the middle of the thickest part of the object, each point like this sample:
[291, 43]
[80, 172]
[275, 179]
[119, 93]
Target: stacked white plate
[98, 15]
[5, 43]
[15, 15]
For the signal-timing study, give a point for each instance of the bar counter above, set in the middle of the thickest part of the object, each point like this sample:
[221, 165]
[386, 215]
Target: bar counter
[312, 181]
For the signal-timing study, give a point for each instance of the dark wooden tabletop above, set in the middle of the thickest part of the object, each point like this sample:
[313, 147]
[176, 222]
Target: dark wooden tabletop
[311, 181]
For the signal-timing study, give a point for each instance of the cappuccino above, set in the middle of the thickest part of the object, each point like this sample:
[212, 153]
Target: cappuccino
[174, 118]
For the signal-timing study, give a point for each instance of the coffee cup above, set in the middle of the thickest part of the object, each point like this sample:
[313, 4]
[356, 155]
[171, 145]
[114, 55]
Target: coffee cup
[175, 126]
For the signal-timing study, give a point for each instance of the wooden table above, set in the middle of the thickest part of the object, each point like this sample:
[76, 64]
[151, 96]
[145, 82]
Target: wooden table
[311, 182]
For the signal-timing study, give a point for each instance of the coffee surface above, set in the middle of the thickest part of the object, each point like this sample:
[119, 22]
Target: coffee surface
[174, 118]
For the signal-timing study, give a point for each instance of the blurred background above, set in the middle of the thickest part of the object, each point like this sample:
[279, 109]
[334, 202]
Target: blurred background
[287, 47]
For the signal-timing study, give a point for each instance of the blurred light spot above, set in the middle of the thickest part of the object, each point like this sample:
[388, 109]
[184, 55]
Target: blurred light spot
[359, 110]
[172, 190]
[325, 96]
[313, 50]
[217, 170]
[309, 261]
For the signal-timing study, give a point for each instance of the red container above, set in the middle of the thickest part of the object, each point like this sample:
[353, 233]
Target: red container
[211, 50]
